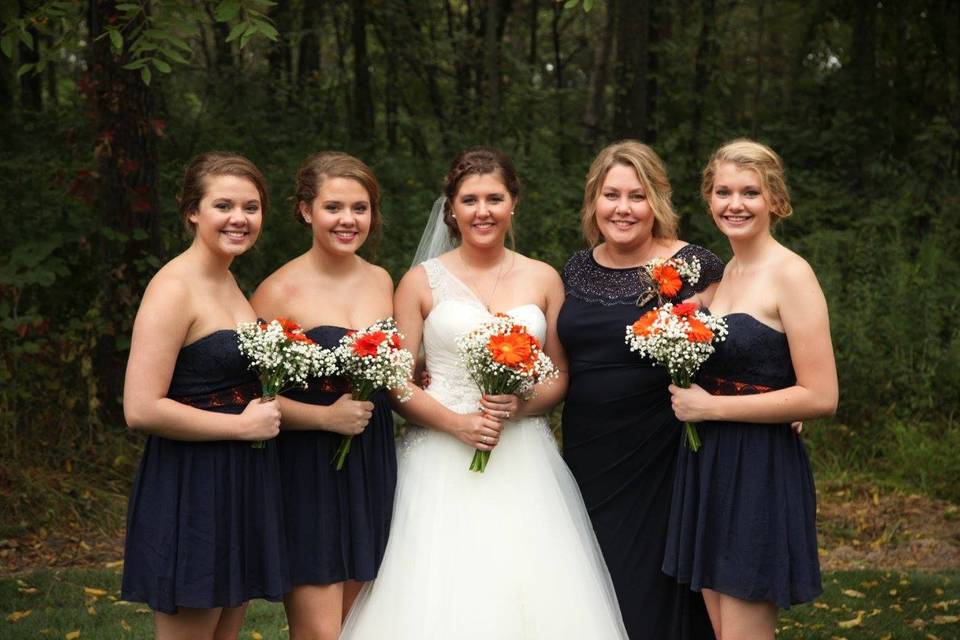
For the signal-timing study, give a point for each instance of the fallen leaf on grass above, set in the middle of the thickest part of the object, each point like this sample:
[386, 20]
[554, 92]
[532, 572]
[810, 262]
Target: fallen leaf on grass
[821, 605]
[854, 622]
[945, 619]
[91, 591]
[28, 590]
[853, 593]
[124, 624]
[255, 635]
[17, 616]
[73, 635]
[116, 564]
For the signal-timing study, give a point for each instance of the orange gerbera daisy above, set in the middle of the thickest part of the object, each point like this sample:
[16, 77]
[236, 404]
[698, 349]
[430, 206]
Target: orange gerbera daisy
[367, 345]
[289, 326]
[668, 279]
[685, 309]
[642, 326]
[511, 350]
[698, 332]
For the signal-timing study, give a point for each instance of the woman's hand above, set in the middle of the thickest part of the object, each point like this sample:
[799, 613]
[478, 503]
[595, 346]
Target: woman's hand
[260, 420]
[347, 416]
[502, 407]
[691, 405]
[424, 379]
[479, 430]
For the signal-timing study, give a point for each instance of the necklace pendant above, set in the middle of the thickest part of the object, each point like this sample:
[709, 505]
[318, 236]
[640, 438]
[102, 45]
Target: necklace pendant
[645, 297]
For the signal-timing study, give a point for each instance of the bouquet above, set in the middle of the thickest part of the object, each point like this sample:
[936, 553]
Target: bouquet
[502, 357]
[680, 338]
[283, 356]
[372, 359]
[664, 277]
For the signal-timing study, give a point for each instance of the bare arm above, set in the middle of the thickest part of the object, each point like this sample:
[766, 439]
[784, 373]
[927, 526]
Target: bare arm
[803, 312]
[159, 331]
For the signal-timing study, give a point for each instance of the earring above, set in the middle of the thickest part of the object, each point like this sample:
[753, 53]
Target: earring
[513, 212]
[453, 215]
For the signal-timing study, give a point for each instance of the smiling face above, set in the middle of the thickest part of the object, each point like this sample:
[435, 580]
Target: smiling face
[482, 208]
[229, 216]
[623, 213]
[738, 204]
[340, 215]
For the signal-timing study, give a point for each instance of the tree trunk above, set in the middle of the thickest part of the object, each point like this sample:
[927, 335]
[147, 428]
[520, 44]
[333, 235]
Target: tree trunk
[31, 84]
[362, 120]
[309, 56]
[701, 76]
[594, 116]
[126, 151]
[758, 77]
[630, 112]
[491, 71]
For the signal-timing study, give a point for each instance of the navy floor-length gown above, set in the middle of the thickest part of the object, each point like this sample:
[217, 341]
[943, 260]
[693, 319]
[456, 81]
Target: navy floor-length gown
[743, 520]
[620, 439]
[337, 522]
[204, 520]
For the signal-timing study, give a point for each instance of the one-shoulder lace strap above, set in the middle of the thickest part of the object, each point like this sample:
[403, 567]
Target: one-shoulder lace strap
[445, 285]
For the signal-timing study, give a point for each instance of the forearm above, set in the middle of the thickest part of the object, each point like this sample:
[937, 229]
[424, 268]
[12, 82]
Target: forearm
[784, 405]
[302, 416]
[177, 421]
[546, 396]
[422, 409]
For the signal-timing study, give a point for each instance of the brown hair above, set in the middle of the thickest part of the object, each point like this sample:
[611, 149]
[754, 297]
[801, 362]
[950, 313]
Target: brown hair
[216, 163]
[747, 154]
[477, 161]
[652, 175]
[336, 164]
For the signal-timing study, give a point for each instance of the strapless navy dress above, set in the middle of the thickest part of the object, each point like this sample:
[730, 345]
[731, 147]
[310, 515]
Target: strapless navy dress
[337, 521]
[743, 518]
[204, 520]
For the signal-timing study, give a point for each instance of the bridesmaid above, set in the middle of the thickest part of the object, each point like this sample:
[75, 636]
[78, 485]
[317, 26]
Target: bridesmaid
[336, 521]
[619, 434]
[204, 523]
[743, 520]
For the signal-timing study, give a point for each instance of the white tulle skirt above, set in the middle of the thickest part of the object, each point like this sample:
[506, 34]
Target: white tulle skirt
[501, 555]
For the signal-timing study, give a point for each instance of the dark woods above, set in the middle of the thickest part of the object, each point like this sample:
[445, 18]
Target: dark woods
[861, 98]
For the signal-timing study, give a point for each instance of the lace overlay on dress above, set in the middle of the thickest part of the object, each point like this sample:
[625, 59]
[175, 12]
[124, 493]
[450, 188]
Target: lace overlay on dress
[584, 278]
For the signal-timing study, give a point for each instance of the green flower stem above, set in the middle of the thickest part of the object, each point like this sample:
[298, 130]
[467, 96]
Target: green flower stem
[691, 438]
[359, 390]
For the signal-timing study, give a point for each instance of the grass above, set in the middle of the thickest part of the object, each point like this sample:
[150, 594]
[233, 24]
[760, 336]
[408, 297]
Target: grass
[856, 605]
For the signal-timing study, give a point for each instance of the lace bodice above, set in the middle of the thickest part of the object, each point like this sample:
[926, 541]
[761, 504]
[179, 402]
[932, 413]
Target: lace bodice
[456, 311]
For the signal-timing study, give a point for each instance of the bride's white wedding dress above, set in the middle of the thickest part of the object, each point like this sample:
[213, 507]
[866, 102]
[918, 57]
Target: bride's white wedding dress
[501, 555]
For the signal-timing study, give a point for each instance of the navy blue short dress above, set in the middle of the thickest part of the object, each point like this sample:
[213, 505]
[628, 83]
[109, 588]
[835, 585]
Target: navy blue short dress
[204, 520]
[743, 518]
[337, 521]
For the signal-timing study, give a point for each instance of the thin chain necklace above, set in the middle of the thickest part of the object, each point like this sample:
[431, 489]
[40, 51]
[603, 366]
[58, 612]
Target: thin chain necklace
[473, 280]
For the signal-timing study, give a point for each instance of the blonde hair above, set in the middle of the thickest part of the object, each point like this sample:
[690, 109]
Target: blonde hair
[747, 154]
[653, 177]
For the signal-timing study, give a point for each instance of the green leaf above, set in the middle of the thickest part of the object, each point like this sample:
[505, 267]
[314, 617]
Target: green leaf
[116, 39]
[126, 6]
[249, 33]
[266, 29]
[6, 45]
[26, 38]
[139, 234]
[161, 66]
[587, 5]
[180, 42]
[174, 55]
[24, 69]
[226, 11]
[237, 31]
[570, 4]
[136, 64]
[145, 75]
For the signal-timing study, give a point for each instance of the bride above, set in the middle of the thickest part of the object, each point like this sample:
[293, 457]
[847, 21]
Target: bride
[508, 553]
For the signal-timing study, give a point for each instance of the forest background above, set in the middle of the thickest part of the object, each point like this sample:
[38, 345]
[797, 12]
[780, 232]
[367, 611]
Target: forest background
[103, 103]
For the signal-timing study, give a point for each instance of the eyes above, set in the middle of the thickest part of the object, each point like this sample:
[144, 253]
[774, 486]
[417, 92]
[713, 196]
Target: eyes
[749, 192]
[226, 205]
[333, 207]
[635, 196]
[470, 200]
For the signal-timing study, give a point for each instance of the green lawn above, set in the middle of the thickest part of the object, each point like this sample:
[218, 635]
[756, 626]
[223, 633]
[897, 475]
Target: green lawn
[856, 605]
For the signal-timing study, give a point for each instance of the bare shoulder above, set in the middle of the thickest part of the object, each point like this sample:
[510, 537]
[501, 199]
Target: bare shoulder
[414, 280]
[380, 277]
[279, 285]
[539, 270]
[792, 269]
[171, 284]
